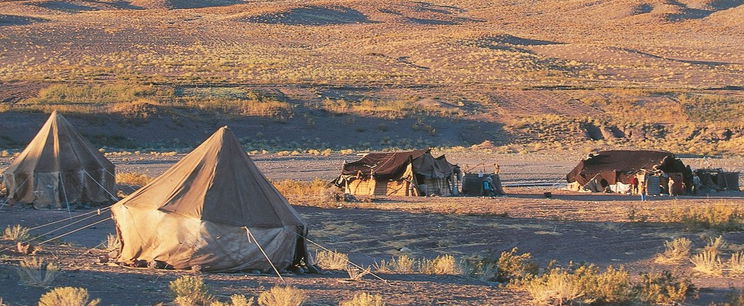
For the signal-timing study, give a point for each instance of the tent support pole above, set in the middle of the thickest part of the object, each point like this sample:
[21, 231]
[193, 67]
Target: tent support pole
[250, 236]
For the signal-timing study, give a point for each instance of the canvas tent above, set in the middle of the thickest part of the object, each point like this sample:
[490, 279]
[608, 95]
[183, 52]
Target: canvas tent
[406, 173]
[213, 209]
[614, 169]
[59, 167]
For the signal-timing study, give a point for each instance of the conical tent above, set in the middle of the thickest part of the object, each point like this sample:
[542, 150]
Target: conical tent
[59, 167]
[213, 209]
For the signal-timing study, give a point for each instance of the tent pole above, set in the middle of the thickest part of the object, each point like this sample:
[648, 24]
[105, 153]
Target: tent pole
[64, 192]
[250, 235]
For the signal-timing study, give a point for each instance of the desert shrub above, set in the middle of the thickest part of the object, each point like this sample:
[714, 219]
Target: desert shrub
[584, 284]
[714, 216]
[282, 296]
[513, 266]
[482, 269]
[301, 189]
[736, 263]
[190, 290]
[363, 299]
[35, 272]
[400, 264]
[269, 109]
[443, 264]
[67, 296]
[675, 251]
[134, 179]
[662, 288]
[556, 287]
[236, 300]
[707, 262]
[331, 260]
[715, 244]
[16, 233]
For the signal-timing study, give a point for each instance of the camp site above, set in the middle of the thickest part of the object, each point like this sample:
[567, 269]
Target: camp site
[371, 152]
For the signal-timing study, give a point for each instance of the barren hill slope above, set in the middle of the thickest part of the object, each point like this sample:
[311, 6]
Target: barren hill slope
[371, 73]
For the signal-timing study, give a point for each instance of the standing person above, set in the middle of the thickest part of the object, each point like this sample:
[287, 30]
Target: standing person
[643, 188]
[671, 187]
[634, 184]
[695, 184]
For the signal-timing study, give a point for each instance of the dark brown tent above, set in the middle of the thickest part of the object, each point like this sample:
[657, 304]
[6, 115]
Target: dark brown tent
[619, 166]
[59, 167]
[399, 173]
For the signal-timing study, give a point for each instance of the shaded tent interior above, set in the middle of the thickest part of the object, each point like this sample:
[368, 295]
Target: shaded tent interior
[60, 168]
[407, 173]
[214, 210]
[718, 179]
[617, 168]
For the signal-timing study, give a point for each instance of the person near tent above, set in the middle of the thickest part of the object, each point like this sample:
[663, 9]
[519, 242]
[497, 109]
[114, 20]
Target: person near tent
[488, 187]
[695, 184]
[634, 184]
[671, 187]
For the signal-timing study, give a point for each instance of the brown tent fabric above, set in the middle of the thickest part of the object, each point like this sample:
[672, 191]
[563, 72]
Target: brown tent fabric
[199, 213]
[59, 166]
[611, 167]
[382, 165]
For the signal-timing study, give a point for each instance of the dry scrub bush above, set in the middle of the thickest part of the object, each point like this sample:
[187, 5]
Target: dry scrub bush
[282, 296]
[714, 216]
[400, 264]
[331, 260]
[443, 264]
[584, 284]
[35, 272]
[707, 262]
[190, 290]
[675, 251]
[363, 299]
[715, 244]
[16, 233]
[662, 288]
[514, 267]
[236, 300]
[67, 296]
[134, 179]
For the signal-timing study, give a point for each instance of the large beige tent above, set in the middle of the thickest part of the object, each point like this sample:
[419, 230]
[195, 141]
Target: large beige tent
[213, 209]
[59, 167]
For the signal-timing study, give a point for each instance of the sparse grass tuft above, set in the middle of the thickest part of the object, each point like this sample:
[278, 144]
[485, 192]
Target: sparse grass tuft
[556, 287]
[190, 290]
[356, 274]
[363, 299]
[67, 296]
[35, 272]
[332, 260]
[675, 251]
[16, 233]
[295, 189]
[708, 262]
[736, 264]
[236, 300]
[400, 264]
[584, 284]
[443, 264]
[111, 243]
[282, 296]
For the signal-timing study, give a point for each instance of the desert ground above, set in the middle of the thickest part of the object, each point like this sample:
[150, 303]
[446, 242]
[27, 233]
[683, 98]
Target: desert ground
[305, 85]
[569, 227]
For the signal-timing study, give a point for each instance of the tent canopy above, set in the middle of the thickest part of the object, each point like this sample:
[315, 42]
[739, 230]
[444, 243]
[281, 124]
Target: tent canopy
[620, 165]
[59, 165]
[217, 182]
[391, 165]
